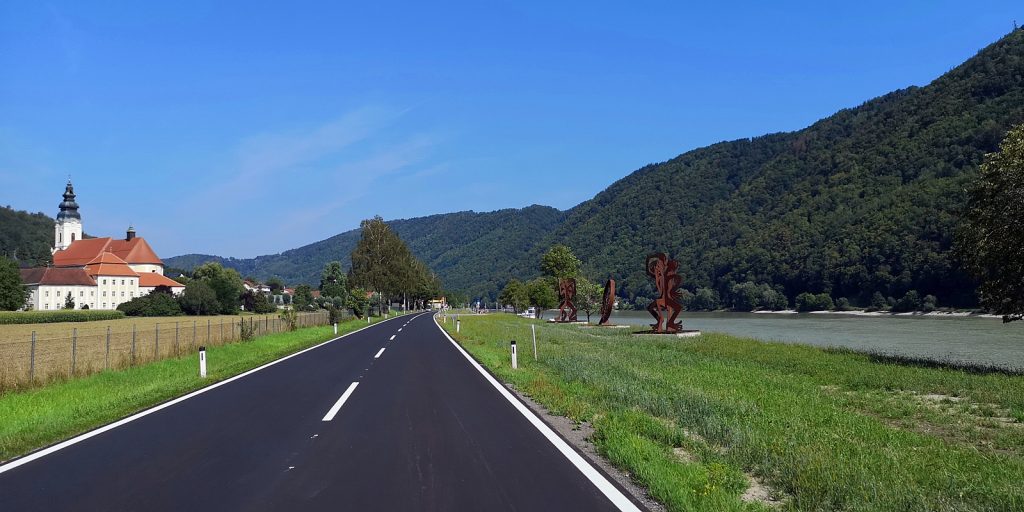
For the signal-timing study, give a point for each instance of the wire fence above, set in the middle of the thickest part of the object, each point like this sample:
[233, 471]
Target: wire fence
[42, 356]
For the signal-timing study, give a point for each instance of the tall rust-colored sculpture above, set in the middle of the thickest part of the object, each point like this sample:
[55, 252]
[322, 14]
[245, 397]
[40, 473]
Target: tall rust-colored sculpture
[607, 301]
[567, 293]
[667, 282]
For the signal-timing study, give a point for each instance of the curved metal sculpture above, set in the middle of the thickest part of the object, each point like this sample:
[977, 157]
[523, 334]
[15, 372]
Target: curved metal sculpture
[667, 282]
[607, 301]
[567, 292]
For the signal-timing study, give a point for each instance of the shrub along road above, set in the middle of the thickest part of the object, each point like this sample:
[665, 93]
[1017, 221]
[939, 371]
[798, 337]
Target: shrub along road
[393, 417]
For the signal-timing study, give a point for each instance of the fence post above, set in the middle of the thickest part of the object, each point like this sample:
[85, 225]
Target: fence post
[156, 343]
[106, 363]
[176, 350]
[133, 344]
[193, 333]
[208, 331]
[74, 349]
[32, 360]
[222, 330]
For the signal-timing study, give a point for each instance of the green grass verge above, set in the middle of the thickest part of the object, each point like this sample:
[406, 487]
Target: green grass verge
[698, 420]
[39, 417]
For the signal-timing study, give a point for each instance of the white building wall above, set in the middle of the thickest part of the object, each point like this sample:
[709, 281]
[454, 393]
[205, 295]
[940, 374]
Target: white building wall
[145, 290]
[114, 290]
[51, 297]
[147, 268]
[65, 232]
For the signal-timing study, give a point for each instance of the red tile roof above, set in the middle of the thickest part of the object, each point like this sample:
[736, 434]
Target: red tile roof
[107, 264]
[135, 251]
[56, 276]
[154, 279]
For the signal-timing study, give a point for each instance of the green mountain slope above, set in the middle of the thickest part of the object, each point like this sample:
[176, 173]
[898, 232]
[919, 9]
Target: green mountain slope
[473, 252]
[865, 200]
[26, 237]
[862, 201]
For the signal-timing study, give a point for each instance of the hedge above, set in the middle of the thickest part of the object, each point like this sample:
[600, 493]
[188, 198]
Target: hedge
[63, 315]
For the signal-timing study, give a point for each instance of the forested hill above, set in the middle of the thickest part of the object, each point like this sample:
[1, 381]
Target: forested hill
[472, 252]
[862, 201]
[25, 237]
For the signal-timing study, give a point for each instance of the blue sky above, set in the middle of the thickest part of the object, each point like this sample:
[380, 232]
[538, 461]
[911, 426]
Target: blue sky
[246, 128]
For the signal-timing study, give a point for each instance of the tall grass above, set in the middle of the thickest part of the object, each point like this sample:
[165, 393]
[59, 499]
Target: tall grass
[697, 420]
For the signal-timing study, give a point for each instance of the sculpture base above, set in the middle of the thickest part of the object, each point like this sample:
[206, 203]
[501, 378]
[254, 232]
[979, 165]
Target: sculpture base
[577, 322]
[685, 333]
[614, 326]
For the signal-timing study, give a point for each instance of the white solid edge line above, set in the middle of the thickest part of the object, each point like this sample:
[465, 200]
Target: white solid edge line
[610, 491]
[341, 401]
[379, 353]
[110, 426]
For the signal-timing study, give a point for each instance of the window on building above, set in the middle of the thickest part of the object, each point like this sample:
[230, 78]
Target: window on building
[122, 282]
[132, 294]
[72, 237]
[122, 294]
[81, 293]
[92, 293]
[104, 281]
[104, 305]
[46, 306]
[47, 293]
[104, 293]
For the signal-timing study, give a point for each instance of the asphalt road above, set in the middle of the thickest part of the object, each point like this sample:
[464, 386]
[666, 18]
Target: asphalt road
[423, 429]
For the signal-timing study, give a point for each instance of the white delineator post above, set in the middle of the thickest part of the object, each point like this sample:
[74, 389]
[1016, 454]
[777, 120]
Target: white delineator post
[458, 325]
[533, 330]
[515, 359]
[202, 362]
[335, 328]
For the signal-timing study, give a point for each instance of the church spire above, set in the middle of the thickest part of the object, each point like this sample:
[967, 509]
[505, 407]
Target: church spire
[68, 207]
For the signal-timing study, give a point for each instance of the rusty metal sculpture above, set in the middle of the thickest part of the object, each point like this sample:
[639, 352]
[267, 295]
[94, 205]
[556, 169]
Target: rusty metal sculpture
[667, 282]
[607, 301]
[567, 292]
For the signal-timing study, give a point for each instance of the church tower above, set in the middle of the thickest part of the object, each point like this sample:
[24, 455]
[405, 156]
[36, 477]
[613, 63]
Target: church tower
[68, 227]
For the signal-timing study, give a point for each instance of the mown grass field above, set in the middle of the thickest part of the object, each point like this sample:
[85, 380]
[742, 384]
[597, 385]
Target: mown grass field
[86, 342]
[37, 417]
[725, 423]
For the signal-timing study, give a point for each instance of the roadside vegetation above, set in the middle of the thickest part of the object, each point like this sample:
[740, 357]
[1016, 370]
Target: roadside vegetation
[724, 423]
[34, 418]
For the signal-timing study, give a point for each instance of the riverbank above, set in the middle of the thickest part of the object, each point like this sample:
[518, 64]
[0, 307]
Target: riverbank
[33, 418]
[726, 423]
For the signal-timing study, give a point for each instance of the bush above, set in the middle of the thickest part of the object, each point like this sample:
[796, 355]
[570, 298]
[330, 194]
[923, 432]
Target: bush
[290, 318]
[929, 304]
[910, 302]
[878, 302]
[705, 299]
[256, 302]
[773, 300]
[843, 304]
[63, 315]
[156, 303]
[811, 302]
[199, 299]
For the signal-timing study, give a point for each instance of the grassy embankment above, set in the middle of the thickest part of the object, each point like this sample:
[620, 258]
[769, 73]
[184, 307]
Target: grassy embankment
[38, 417]
[155, 338]
[702, 421]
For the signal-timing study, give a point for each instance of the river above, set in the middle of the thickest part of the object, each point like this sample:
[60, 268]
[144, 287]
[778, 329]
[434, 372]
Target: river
[977, 340]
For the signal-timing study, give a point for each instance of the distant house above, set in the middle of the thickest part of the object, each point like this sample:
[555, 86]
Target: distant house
[100, 273]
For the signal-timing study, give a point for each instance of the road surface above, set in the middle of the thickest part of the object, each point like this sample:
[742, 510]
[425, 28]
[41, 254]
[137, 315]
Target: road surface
[393, 417]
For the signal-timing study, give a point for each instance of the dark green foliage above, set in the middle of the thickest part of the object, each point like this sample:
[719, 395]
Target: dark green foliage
[588, 297]
[746, 297]
[911, 301]
[69, 301]
[843, 304]
[814, 302]
[156, 303]
[541, 294]
[878, 302]
[26, 237]
[303, 299]
[256, 302]
[226, 283]
[199, 299]
[515, 294]
[560, 262]
[63, 315]
[276, 285]
[358, 302]
[13, 293]
[929, 303]
[705, 299]
[333, 282]
[991, 242]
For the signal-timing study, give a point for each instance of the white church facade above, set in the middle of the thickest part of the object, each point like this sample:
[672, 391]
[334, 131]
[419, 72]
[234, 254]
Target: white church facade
[98, 273]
